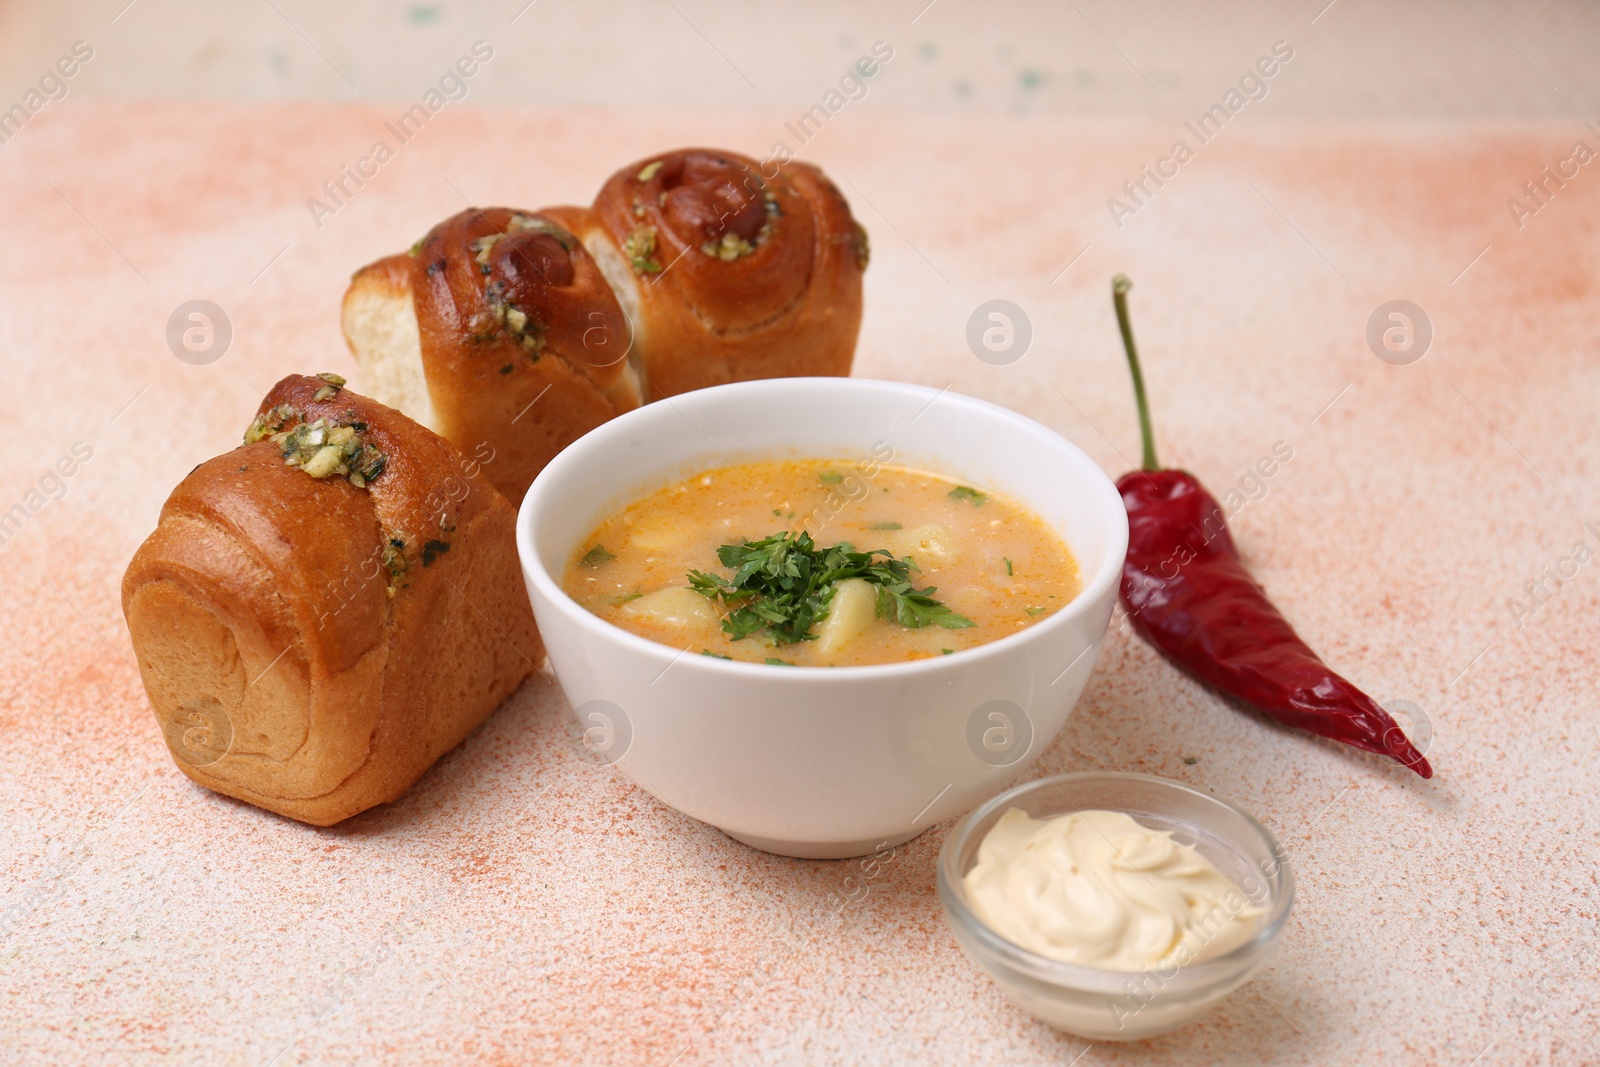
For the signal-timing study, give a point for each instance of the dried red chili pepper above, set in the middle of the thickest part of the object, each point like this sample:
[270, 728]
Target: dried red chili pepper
[1188, 594]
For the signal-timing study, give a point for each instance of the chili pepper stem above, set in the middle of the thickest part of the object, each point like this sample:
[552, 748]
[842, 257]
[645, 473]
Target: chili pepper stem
[1120, 284]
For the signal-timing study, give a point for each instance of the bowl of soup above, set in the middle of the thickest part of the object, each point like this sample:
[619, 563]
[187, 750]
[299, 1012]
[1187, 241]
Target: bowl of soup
[821, 614]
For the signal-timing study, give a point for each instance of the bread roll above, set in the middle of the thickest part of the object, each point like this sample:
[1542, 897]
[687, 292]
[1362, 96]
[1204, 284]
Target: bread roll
[324, 611]
[728, 272]
[497, 331]
[513, 332]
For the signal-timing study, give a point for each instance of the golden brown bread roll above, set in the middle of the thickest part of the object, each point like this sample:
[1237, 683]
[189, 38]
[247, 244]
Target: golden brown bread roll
[501, 332]
[324, 611]
[497, 331]
[727, 272]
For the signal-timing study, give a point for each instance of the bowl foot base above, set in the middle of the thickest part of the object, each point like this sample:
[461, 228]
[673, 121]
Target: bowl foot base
[823, 850]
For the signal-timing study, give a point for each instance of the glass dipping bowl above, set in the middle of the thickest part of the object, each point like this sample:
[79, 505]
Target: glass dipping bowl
[1107, 1005]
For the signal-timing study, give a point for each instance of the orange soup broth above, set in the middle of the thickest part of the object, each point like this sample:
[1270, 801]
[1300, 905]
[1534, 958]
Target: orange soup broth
[990, 559]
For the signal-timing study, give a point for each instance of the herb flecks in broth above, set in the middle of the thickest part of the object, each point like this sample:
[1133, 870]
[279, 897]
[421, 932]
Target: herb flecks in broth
[969, 494]
[989, 563]
[784, 585]
[596, 557]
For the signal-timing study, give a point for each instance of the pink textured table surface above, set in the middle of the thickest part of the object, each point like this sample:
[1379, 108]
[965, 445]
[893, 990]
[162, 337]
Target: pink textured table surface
[519, 905]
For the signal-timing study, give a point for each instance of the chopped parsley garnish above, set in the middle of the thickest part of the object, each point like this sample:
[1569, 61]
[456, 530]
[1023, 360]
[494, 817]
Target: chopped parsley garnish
[1035, 612]
[783, 585]
[831, 477]
[596, 557]
[713, 655]
[966, 492]
[730, 248]
[640, 247]
[395, 560]
[320, 448]
[1008, 565]
[948, 651]
[335, 383]
[884, 526]
[774, 661]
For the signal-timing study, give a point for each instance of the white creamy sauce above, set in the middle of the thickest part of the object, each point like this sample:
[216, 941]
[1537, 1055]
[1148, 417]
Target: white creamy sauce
[1098, 889]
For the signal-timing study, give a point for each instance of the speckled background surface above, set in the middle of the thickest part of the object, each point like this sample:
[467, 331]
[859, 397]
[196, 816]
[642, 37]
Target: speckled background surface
[522, 906]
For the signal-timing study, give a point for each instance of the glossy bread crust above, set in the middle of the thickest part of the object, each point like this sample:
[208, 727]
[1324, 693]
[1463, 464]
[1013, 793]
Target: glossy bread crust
[733, 271]
[512, 333]
[282, 668]
[521, 343]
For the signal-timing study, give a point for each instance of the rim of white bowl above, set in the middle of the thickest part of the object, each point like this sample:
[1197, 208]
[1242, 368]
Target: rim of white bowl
[569, 461]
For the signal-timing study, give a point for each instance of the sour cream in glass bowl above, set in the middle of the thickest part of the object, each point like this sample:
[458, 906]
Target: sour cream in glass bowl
[1121, 990]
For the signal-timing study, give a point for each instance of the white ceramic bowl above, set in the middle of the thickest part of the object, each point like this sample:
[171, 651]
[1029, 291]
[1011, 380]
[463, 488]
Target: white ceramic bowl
[821, 762]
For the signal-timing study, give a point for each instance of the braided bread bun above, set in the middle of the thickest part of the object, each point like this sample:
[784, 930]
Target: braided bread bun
[498, 332]
[515, 332]
[324, 611]
[729, 274]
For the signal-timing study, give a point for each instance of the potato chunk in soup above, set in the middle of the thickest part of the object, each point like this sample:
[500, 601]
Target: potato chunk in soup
[967, 564]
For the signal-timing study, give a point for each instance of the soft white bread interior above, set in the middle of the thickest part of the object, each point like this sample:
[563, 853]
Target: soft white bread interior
[380, 324]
